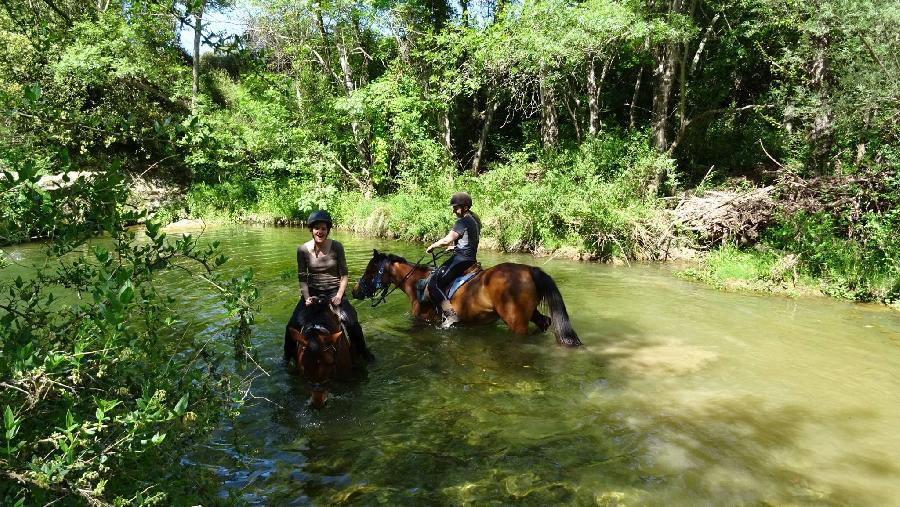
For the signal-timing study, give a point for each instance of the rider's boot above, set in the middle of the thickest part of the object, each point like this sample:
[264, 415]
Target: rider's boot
[450, 316]
[356, 338]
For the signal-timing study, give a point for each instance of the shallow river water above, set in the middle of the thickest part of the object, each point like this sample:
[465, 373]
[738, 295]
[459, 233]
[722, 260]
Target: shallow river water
[682, 395]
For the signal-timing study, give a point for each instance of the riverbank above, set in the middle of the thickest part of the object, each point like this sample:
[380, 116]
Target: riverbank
[781, 254]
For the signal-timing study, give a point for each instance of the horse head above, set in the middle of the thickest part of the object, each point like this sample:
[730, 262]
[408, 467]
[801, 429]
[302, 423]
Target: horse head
[374, 278]
[317, 348]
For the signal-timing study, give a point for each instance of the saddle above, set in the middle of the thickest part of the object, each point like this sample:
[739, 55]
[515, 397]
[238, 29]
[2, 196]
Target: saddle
[468, 274]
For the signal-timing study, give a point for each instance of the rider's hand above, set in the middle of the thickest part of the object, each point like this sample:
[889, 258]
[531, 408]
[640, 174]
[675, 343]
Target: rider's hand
[311, 300]
[336, 301]
[429, 249]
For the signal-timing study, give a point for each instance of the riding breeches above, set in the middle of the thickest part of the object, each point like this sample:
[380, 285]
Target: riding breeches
[453, 268]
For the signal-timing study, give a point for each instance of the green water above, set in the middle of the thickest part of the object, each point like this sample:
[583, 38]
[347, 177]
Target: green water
[683, 395]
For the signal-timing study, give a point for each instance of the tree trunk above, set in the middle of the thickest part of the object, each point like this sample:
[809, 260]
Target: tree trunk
[549, 125]
[593, 105]
[634, 97]
[198, 32]
[488, 116]
[682, 78]
[446, 140]
[637, 87]
[821, 136]
[594, 89]
[299, 96]
[326, 44]
[359, 138]
[664, 78]
[573, 113]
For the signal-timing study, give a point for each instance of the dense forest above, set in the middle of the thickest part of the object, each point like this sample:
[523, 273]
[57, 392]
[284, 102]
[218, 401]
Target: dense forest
[763, 132]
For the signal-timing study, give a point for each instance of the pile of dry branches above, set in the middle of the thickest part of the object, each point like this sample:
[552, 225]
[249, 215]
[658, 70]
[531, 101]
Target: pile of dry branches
[728, 215]
[846, 197]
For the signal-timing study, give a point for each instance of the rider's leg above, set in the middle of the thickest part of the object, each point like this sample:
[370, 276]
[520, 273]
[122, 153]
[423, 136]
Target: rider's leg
[354, 330]
[298, 319]
[455, 269]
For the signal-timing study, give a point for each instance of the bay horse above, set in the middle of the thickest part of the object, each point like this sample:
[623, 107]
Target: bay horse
[509, 291]
[319, 347]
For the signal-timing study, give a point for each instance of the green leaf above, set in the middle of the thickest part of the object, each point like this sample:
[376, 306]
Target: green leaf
[181, 406]
[33, 92]
[158, 438]
[8, 418]
[102, 255]
[153, 229]
[126, 295]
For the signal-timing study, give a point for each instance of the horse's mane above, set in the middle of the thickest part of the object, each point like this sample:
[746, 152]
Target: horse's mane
[320, 314]
[396, 258]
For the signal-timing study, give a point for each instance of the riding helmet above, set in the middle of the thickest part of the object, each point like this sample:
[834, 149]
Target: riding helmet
[461, 199]
[319, 216]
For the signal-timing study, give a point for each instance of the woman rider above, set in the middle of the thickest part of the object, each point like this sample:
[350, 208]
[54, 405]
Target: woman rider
[322, 272]
[465, 234]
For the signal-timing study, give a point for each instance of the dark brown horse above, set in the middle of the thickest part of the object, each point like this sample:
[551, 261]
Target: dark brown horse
[511, 292]
[319, 347]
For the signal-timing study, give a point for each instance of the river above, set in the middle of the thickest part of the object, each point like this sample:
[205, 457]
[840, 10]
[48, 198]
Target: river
[682, 395]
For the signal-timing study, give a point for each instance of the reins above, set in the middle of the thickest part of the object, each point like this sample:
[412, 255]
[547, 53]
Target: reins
[387, 290]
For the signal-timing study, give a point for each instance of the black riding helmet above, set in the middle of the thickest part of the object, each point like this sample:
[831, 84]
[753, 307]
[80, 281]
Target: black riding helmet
[461, 199]
[319, 216]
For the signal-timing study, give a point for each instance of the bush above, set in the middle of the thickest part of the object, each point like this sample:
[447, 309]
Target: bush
[104, 384]
[864, 268]
[593, 200]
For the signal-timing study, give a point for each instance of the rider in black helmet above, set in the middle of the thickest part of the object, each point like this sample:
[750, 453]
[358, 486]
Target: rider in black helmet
[464, 235]
[322, 272]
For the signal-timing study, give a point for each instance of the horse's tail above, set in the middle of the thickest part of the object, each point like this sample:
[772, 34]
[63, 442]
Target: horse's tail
[559, 317]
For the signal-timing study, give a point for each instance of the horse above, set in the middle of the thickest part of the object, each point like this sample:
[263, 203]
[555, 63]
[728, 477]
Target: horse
[320, 348]
[509, 291]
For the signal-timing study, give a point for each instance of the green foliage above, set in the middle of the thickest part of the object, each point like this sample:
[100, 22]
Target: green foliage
[728, 266]
[593, 202]
[226, 200]
[864, 269]
[604, 212]
[404, 148]
[264, 200]
[102, 380]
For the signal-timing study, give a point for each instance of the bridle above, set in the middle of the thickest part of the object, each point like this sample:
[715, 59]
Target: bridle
[377, 284]
[386, 289]
[333, 348]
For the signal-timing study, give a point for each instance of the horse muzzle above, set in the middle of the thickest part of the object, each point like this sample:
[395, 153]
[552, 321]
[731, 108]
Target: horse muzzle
[319, 396]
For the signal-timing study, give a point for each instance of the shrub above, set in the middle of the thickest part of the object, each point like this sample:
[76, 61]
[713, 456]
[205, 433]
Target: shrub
[104, 383]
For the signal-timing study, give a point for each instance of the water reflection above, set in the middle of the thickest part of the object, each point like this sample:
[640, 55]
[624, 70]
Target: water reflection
[682, 396]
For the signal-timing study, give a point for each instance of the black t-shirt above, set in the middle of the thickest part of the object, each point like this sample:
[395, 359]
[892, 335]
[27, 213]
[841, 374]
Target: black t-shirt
[469, 232]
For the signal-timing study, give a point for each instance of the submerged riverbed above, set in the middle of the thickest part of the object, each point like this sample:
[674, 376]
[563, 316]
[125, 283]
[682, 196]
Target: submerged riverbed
[682, 395]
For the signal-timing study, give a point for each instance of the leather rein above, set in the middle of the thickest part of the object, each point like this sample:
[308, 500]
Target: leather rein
[386, 289]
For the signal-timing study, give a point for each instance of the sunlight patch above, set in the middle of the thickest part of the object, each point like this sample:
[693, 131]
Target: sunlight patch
[670, 358]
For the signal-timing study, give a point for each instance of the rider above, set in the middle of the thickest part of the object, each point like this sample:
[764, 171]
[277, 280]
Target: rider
[464, 234]
[322, 272]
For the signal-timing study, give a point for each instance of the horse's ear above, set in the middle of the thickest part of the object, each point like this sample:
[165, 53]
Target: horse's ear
[374, 252]
[335, 336]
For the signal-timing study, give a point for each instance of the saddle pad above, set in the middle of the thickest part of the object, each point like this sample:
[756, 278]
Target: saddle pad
[459, 283]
